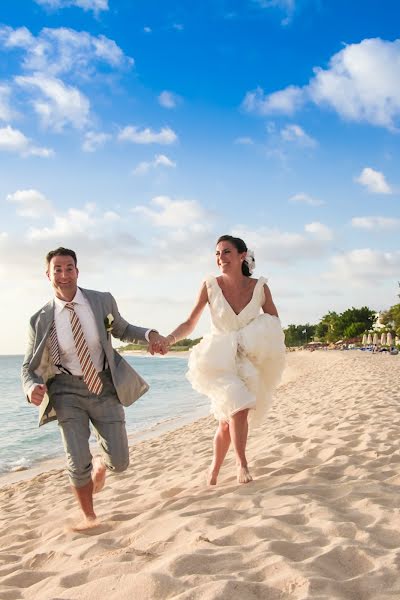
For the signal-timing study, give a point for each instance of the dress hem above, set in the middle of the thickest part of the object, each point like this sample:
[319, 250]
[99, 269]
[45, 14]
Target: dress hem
[252, 407]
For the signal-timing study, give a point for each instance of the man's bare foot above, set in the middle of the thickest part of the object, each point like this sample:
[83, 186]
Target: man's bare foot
[98, 474]
[243, 475]
[87, 523]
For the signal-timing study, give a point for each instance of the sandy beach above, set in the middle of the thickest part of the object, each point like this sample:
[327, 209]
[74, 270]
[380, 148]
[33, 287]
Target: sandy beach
[321, 520]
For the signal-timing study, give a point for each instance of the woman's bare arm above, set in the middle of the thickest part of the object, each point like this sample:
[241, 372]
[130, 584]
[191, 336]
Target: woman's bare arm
[269, 306]
[186, 328]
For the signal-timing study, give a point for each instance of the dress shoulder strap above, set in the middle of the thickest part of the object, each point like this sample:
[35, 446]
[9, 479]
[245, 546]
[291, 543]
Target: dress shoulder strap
[260, 283]
[262, 280]
[211, 284]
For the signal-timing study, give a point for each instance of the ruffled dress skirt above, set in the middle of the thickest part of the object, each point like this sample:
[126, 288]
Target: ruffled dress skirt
[240, 369]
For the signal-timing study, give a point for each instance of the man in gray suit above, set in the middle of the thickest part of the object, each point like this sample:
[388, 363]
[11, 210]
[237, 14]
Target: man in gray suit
[73, 374]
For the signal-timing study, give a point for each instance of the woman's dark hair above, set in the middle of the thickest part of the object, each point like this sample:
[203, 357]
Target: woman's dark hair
[240, 247]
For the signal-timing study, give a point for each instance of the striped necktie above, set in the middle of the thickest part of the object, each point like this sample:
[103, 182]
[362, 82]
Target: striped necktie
[90, 375]
[54, 347]
[55, 350]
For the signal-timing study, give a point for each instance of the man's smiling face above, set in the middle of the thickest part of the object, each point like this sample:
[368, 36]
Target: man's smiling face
[63, 275]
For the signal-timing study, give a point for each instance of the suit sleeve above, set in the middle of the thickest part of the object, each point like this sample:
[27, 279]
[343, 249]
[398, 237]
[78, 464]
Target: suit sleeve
[29, 378]
[123, 330]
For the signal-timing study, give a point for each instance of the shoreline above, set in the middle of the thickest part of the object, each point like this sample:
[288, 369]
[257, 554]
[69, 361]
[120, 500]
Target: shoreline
[173, 353]
[157, 430]
[27, 464]
[171, 424]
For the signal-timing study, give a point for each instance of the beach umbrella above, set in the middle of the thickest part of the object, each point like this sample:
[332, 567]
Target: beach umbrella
[389, 339]
[375, 339]
[364, 339]
[369, 339]
[383, 339]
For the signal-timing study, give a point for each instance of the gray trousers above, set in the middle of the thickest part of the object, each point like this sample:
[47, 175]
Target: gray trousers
[76, 407]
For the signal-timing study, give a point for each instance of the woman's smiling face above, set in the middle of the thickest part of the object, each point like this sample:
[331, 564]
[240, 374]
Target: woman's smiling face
[228, 257]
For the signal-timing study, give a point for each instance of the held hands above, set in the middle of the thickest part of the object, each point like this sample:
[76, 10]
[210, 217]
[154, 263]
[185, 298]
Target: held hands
[157, 343]
[37, 394]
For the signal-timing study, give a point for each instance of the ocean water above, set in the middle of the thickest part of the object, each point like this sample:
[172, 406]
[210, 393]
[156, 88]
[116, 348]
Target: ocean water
[170, 400]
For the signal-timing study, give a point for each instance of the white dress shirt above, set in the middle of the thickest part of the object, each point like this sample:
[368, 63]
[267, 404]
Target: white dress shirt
[68, 354]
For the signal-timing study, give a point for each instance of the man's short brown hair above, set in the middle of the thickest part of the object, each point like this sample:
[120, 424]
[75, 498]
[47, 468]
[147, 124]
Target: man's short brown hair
[60, 252]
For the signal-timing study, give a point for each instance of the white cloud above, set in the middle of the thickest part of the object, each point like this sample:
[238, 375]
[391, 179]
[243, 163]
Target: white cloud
[30, 203]
[51, 57]
[147, 136]
[365, 265]
[160, 160]
[22, 256]
[285, 101]
[95, 5]
[374, 181]
[147, 29]
[78, 223]
[58, 104]
[288, 6]
[361, 84]
[175, 214]
[6, 112]
[40, 152]
[63, 50]
[95, 234]
[65, 226]
[282, 247]
[169, 99]
[178, 26]
[303, 198]
[319, 230]
[16, 38]
[111, 215]
[94, 140]
[108, 51]
[143, 168]
[295, 133]
[13, 140]
[244, 141]
[375, 223]
[185, 239]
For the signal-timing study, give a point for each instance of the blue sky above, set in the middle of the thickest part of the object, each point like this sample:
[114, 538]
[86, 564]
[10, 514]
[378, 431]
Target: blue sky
[138, 132]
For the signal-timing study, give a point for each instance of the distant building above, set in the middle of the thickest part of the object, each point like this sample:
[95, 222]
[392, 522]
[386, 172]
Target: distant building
[377, 323]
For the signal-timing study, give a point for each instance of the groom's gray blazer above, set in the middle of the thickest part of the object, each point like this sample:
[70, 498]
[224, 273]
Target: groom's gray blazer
[39, 368]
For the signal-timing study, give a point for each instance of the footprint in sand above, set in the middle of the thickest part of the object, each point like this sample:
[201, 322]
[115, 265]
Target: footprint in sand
[24, 579]
[123, 516]
[171, 492]
[343, 563]
[11, 594]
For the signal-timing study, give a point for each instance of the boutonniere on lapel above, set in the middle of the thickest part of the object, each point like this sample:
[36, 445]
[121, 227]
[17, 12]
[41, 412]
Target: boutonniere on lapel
[108, 322]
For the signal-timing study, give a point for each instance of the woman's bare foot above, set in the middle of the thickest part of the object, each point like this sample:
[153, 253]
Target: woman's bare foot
[98, 474]
[243, 475]
[212, 477]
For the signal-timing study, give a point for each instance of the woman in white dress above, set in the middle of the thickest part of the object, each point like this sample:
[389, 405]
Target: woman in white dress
[239, 363]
